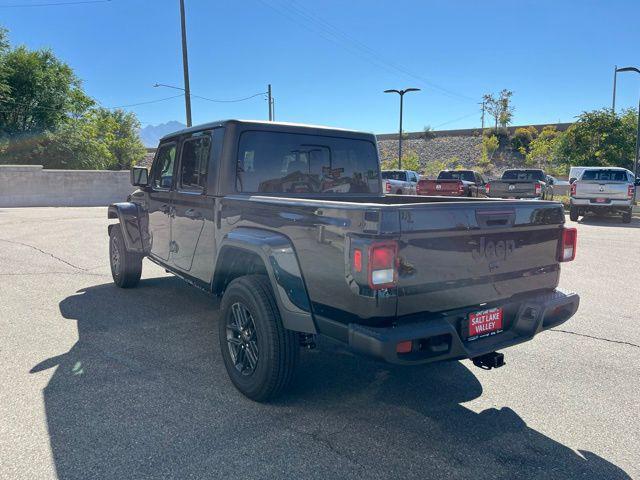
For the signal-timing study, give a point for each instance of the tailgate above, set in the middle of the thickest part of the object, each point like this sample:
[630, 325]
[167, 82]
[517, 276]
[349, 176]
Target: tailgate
[440, 187]
[609, 190]
[463, 255]
[513, 188]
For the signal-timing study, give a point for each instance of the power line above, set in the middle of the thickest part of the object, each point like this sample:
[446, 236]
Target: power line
[144, 103]
[229, 101]
[28, 5]
[343, 39]
[456, 120]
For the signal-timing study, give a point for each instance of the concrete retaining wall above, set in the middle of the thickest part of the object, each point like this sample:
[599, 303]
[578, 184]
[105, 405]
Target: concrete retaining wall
[32, 186]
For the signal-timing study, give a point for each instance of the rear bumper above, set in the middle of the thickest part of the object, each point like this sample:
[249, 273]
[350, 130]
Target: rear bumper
[587, 204]
[441, 337]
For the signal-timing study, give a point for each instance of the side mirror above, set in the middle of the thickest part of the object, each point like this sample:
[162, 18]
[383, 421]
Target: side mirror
[139, 176]
[571, 180]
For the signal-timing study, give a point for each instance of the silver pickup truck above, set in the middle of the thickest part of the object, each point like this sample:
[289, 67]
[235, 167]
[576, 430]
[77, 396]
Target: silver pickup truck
[603, 190]
[400, 182]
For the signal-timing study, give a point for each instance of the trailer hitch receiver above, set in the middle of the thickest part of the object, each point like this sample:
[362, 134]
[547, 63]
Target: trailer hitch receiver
[489, 360]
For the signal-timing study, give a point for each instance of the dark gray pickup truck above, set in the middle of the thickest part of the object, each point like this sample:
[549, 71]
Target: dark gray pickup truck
[521, 183]
[288, 227]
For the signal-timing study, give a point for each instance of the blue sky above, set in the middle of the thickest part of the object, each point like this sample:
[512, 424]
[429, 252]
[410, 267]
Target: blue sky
[330, 60]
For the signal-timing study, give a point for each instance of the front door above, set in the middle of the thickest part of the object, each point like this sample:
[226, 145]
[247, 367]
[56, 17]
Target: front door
[192, 207]
[160, 206]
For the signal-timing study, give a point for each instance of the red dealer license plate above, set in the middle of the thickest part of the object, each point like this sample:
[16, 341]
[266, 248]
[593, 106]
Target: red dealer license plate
[601, 200]
[485, 323]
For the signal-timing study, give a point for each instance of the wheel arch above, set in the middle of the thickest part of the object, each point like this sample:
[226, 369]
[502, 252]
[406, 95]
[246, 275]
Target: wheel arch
[246, 251]
[133, 222]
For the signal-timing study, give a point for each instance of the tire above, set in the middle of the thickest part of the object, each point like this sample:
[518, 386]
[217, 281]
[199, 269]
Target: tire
[573, 214]
[126, 267]
[626, 217]
[264, 374]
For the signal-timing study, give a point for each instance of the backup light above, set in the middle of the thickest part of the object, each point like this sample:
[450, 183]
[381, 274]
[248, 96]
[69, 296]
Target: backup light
[568, 244]
[382, 264]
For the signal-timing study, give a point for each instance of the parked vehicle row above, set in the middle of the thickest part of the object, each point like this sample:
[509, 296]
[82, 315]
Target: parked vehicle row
[289, 228]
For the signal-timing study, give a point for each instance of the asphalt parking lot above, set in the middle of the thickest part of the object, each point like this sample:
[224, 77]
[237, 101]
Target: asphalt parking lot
[98, 382]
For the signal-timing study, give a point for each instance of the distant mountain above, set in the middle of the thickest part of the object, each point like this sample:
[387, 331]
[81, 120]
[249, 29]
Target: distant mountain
[152, 133]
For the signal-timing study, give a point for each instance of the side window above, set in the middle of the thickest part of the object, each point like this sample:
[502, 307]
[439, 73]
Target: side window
[162, 170]
[194, 163]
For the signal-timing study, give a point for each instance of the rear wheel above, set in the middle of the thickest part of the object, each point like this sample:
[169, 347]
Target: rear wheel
[626, 217]
[260, 355]
[126, 267]
[573, 214]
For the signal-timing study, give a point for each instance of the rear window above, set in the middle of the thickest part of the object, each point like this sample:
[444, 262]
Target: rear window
[277, 162]
[524, 175]
[392, 175]
[461, 175]
[605, 175]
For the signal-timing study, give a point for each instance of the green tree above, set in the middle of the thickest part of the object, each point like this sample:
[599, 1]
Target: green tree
[490, 145]
[46, 118]
[522, 138]
[600, 138]
[410, 161]
[542, 151]
[499, 107]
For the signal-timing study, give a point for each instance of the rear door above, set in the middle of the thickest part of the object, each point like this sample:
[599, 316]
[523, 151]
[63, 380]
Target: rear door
[160, 199]
[191, 204]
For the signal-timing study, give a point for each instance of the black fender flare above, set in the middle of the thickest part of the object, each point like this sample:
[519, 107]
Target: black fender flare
[134, 223]
[281, 264]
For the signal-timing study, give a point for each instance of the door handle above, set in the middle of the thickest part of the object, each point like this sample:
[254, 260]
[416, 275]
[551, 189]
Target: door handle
[191, 213]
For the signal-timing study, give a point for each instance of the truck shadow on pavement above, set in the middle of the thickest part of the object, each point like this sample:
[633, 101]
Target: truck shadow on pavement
[143, 393]
[600, 221]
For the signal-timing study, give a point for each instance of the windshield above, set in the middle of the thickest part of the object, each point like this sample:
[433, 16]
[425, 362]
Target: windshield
[277, 162]
[605, 175]
[524, 175]
[394, 175]
[457, 175]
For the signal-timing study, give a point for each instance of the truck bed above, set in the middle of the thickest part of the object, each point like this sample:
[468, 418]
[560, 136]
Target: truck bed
[452, 252]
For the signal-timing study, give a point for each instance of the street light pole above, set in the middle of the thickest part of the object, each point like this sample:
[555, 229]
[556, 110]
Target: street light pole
[401, 93]
[615, 78]
[637, 157]
[185, 65]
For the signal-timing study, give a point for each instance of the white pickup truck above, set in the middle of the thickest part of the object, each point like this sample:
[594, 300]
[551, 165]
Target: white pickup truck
[603, 190]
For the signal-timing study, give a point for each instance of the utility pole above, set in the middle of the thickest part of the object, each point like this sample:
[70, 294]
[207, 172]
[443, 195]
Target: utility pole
[273, 109]
[482, 128]
[615, 78]
[270, 103]
[185, 65]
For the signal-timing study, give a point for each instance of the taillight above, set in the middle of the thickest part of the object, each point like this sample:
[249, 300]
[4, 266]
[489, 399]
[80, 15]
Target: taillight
[418, 189]
[487, 188]
[382, 263]
[460, 187]
[568, 244]
[387, 186]
[630, 191]
[573, 189]
[538, 188]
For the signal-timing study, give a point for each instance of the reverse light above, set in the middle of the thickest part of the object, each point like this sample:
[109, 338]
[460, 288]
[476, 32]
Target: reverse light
[487, 188]
[630, 191]
[538, 188]
[382, 271]
[573, 189]
[460, 187]
[568, 244]
[387, 186]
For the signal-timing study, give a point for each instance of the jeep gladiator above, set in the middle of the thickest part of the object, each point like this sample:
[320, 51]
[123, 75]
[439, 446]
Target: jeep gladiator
[289, 228]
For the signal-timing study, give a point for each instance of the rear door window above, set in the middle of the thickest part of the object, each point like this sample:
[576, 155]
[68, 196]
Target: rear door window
[194, 162]
[278, 162]
[605, 175]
